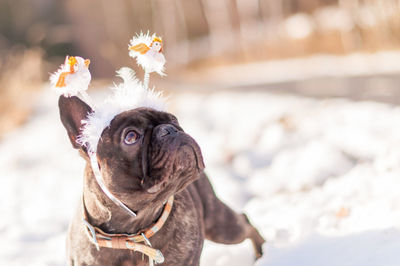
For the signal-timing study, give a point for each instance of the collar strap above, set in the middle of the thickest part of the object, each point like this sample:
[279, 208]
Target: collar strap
[130, 241]
[99, 179]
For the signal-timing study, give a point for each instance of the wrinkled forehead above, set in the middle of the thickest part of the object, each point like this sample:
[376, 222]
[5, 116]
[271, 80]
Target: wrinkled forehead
[141, 118]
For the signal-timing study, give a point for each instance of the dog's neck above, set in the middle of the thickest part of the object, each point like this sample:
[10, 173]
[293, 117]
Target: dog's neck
[109, 217]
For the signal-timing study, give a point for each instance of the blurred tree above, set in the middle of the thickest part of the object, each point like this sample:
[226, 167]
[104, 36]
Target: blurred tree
[223, 31]
[36, 35]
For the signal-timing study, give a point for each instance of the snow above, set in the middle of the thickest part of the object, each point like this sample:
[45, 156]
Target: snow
[318, 178]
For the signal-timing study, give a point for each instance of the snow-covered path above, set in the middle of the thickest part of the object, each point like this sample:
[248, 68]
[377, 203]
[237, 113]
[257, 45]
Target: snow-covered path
[319, 178]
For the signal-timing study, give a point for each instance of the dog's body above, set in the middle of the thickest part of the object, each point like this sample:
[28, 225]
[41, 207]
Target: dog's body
[145, 157]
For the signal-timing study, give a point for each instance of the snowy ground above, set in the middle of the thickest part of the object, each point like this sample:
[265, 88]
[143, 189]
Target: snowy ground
[319, 178]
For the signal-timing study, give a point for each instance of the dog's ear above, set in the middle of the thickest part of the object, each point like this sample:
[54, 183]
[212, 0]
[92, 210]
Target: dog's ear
[72, 111]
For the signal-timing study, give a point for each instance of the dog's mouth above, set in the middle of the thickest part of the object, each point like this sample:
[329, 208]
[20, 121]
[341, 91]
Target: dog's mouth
[171, 157]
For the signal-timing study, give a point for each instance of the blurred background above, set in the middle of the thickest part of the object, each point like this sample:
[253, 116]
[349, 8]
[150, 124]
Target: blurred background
[291, 100]
[199, 35]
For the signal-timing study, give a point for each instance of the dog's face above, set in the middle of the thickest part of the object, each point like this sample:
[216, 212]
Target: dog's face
[144, 155]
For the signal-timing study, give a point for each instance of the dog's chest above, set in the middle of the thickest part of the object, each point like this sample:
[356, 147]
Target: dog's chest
[180, 239]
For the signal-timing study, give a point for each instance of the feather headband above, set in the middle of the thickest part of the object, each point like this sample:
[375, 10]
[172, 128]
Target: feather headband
[73, 78]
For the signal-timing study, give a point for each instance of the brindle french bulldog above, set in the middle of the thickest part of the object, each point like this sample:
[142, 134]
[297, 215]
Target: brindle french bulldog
[145, 157]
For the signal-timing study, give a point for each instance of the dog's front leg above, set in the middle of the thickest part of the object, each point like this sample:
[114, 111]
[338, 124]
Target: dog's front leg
[222, 224]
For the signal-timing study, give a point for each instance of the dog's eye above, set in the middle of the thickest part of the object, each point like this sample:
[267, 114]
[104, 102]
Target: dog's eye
[131, 137]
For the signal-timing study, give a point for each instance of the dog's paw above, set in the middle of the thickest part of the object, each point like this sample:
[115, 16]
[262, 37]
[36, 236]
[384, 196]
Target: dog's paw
[258, 242]
[255, 238]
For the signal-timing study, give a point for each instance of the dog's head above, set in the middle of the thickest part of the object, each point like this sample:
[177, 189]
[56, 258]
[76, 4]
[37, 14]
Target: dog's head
[143, 155]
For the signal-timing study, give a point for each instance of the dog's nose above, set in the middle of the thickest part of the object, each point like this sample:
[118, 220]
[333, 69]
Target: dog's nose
[167, 129]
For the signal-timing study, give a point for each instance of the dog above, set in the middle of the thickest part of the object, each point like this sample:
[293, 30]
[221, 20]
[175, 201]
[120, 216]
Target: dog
[146, 159]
